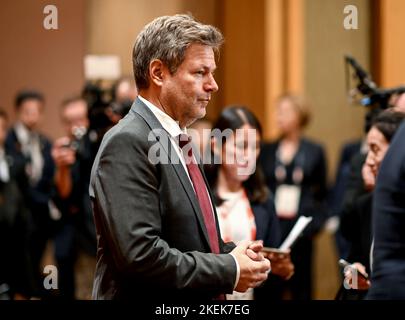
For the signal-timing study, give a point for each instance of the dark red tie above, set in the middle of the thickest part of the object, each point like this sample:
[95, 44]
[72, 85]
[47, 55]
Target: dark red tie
[200, 190]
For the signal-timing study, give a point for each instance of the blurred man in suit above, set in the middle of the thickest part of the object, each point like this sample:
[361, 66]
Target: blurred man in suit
[16, 277]
[31, 150]
[388, 265]
[157, 227]
[73, 161]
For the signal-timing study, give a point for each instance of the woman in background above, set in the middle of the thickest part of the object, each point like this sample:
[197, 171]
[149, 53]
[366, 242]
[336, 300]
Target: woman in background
[244, 204]
[295, 171]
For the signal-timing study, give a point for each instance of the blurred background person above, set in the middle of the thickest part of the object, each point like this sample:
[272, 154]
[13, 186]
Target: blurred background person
[388, 273]
[73, 160]
[397, 102]
[107, 106]
[349, 181]
[295, 171]
[244, 204]
[123, 94]
[117, 110]
[336, 195]
[31, 150]
[350, 186]
[124, 89]
[16, 272]
[356, 223]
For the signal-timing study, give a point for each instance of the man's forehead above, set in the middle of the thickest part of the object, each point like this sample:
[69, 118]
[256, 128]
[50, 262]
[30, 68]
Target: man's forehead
[200, 54]
[29, 103]
[75, 108]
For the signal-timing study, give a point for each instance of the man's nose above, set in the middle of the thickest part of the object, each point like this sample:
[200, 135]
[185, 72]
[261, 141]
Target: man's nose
[370, 159]
[211, 85]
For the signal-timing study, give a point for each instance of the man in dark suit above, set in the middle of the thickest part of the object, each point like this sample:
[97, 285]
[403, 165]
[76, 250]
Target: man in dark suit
[388, 265]
[16, 278]
[157, 228]
[31, 150]
[73, 161]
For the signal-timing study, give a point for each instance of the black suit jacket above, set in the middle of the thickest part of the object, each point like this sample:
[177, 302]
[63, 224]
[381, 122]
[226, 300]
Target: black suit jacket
[267, 224]
[151, 235]
[313, 187]
[388, 269]
[37, 196]
[355, 225]
[15, 268]
[268, 230]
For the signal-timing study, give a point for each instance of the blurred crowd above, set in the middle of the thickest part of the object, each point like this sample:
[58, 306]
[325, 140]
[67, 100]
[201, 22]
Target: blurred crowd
[44, 190]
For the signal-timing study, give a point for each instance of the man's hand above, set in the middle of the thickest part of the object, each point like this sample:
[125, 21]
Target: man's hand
[62, 154]
[252, 272]
[281, 264]
[254, 251]
[368, 177]
[64, 157]
[362, 284]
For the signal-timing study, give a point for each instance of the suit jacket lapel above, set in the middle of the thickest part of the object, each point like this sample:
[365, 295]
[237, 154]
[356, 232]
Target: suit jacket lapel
[140, 108]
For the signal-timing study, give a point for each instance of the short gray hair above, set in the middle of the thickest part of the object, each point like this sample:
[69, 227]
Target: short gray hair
[166, 38]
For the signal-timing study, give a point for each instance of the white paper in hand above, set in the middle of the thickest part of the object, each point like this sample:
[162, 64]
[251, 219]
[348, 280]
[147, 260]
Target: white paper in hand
[295, 232]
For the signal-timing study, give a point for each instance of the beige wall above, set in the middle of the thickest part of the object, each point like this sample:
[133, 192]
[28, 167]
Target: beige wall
[326, 43]
[112, 25]
[334, 121]
[243, 56]
[391, 40]
[47, 60]
[284, 54]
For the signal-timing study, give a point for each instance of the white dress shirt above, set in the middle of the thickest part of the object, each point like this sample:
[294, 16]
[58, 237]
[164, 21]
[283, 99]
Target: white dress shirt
[31, 147]
[4, 169]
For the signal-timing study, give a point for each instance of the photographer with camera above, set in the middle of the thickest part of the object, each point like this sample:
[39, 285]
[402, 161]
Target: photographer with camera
[73, 160]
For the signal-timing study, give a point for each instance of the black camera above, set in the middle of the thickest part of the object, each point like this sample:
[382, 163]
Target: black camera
[365, 90]
[77, 141]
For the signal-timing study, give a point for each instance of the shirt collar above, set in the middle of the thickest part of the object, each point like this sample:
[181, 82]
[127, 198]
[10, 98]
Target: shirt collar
[22, 133]
[168, 123]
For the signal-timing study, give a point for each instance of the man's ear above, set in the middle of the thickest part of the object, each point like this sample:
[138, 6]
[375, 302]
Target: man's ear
[156, 71]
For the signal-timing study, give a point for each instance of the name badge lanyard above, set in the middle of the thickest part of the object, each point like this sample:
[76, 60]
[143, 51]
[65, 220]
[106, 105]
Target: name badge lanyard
[298, 170]
[287, 196]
